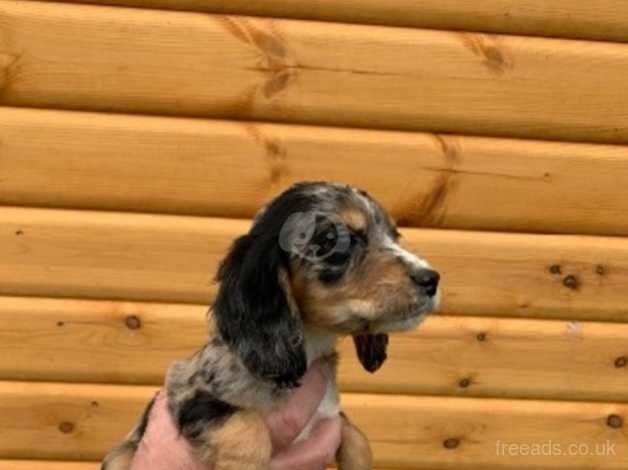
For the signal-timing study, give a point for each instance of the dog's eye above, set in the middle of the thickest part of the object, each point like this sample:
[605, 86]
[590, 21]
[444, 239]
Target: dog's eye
[329, 241]
[358, 238]
[323, 243]
[338, 262]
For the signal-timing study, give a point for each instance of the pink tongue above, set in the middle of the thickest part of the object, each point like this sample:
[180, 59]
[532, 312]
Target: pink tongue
[371, 350]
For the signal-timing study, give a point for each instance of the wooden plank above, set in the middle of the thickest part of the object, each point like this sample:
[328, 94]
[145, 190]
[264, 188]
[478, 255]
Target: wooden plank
[406, 432]
[134, 343]
[151, 61]
[80, 160]
[488, 357]
[47, 465]
[603, 19]
[107, 255]
[95, 341]
[66, 422]
[58, 253]
[51, 465]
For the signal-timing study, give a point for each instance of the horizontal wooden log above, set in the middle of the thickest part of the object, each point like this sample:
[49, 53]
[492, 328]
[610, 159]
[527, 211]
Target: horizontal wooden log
[51, 465]
[219, 168]
[58, 253]
[604, 20]
[95, 341]
[47, 465]
[181, 63]
[134, 343]
[57, 421]
[66, 422]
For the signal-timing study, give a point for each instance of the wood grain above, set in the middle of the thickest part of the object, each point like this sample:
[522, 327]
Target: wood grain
[220, 168]
[47, 465]
[52, 465]
[604, 20]
[66, 422]
[56, 465]
[61, 253]
[180, 63]
[405, 432]
[95, 341]
[134, 343]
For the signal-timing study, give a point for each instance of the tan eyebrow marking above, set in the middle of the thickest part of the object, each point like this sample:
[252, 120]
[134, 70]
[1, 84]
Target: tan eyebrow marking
[355, 220]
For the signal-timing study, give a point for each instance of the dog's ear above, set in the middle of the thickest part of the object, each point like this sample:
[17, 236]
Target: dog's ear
[255, 312]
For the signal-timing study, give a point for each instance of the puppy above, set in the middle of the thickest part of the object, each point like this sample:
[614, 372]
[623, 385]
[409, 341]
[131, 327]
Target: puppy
[321, 261]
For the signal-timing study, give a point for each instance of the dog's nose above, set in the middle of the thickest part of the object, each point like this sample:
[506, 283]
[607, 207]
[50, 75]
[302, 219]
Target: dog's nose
[426, 279]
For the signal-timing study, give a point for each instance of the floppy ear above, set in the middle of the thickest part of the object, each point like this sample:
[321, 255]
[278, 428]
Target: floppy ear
[255, 312]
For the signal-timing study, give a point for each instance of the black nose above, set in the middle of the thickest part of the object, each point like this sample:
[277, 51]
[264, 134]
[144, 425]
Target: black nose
[427, 279]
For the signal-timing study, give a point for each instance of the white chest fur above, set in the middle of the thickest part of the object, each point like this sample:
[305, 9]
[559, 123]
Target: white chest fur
[329, 407]
[319, 345]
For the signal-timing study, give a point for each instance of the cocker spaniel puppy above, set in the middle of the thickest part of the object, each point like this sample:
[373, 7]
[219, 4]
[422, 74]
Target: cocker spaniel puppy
[321, 261]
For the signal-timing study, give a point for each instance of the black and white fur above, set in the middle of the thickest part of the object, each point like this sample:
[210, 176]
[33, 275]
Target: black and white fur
[267, 334]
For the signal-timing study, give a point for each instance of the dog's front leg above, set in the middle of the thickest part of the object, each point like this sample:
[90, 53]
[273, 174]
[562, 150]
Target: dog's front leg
[242, 442]
[355, 451]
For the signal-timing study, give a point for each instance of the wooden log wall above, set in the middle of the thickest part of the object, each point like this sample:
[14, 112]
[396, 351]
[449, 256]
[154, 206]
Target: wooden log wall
[138, 138]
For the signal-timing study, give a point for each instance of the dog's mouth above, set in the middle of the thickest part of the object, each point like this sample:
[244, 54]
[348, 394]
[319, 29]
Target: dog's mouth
[371, 348]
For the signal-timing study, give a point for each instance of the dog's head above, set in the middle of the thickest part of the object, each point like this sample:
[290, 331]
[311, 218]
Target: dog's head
[326, 257]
